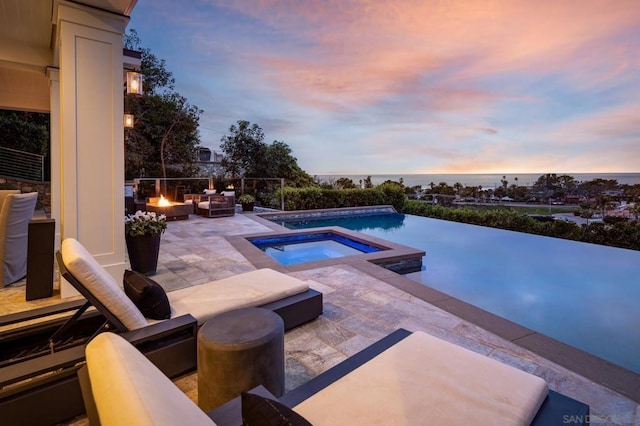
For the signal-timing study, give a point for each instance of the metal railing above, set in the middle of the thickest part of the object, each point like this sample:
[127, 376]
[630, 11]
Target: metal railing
[174, 188]
[21, 165]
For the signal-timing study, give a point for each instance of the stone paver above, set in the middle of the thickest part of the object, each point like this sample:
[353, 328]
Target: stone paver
[359, 308]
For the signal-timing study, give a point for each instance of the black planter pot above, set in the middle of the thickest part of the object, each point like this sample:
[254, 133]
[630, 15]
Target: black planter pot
[247, 207]
[143, 253]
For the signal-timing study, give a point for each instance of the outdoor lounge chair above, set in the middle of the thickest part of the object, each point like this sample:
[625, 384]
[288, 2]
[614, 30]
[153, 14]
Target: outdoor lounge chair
[171, 344]
[406, 378]
[217, 205]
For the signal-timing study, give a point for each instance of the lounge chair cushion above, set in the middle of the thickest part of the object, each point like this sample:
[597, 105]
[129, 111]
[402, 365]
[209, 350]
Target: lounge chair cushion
[100, 283]
[147, 295]
[425, 380]
[145, 395]
[249, 289]
[16, 211]
[214, 204]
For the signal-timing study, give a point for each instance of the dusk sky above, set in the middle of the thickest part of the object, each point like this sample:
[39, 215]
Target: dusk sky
[421, 86]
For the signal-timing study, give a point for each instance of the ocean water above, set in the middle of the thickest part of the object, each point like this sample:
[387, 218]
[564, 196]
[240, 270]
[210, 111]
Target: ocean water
[485, 180]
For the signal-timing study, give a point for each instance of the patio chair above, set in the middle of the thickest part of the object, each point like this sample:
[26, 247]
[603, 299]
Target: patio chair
[217, 205]
[16, 210]
[406, 378]
[170, 343]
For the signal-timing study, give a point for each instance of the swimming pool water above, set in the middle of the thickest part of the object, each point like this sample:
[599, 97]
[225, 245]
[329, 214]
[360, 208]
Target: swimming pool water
[583, 294]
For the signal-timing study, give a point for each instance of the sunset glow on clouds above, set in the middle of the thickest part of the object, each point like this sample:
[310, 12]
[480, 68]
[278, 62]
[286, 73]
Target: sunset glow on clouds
[413, 86]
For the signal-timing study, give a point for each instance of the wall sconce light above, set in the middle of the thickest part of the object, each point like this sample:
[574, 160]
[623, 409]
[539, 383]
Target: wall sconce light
[128, 121]
[134, 83]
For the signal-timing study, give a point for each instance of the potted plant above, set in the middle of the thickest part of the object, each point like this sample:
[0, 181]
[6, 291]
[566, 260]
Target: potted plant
[142, 234]
[247, 201]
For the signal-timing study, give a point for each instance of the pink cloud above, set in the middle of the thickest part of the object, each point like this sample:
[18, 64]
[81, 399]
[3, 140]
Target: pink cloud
[364, 50]
[454, 86]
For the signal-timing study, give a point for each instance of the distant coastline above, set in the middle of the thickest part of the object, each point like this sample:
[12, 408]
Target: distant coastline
[486, 180]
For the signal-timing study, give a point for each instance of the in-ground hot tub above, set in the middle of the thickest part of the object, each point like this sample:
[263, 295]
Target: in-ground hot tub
[308, 247]
[332, 245]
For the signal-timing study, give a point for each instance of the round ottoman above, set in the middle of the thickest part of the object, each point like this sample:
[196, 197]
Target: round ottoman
[237, 351]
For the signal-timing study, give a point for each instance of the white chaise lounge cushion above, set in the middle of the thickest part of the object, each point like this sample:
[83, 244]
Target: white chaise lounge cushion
[129, 390]
[425, 380]
[100, 284]
[203, 301]
[248, 289]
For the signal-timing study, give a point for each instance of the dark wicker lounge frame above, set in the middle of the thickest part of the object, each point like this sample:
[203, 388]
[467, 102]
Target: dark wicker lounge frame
[218, 205]
[50, 382]
[556, 409]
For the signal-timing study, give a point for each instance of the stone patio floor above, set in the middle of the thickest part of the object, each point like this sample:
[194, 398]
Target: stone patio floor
[360, 307]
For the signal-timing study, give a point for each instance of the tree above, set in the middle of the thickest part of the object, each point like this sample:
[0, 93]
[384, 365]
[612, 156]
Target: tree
[635, 210]
[247, 155]
[595, 187]
[602, 202]
[567, 183]
[165, 137]
[344, 183]
[157, 79]
[368, 184]
[25, 131]
[547, 182]
[505, 184]
[280, 163]
[244, 151]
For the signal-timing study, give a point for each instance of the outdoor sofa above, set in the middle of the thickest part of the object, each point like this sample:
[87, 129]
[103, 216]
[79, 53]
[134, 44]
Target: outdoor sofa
[42, 373]
[404, 379]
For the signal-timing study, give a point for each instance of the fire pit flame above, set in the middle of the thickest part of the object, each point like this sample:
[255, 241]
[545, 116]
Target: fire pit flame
[163, 202]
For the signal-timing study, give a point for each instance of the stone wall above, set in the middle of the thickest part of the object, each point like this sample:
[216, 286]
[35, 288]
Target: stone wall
[42, 188]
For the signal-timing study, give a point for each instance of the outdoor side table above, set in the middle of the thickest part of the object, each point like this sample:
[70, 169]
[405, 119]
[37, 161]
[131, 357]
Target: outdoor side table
[237, 351]
[40, 254]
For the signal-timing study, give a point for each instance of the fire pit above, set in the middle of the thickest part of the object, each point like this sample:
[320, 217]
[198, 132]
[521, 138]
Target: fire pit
[173, 210]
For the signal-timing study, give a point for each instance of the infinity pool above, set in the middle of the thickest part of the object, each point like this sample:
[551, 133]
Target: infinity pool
[583, 294]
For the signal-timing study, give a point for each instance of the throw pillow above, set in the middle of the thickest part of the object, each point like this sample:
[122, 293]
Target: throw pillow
[260, 411]
[147, 295]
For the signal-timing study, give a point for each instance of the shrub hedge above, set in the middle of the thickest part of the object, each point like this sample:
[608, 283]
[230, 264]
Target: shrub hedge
[319, 198]
[624, 234]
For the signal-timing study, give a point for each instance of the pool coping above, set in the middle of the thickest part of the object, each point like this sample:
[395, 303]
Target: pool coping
[601, 371]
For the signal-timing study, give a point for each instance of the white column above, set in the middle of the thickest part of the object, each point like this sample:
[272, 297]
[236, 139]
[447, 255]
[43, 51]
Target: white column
[56, 171]
[91, 132]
